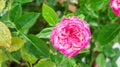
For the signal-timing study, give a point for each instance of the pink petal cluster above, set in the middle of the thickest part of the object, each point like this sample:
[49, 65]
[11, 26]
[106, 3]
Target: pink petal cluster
[70, 36]
[115, 5]
[96, 66]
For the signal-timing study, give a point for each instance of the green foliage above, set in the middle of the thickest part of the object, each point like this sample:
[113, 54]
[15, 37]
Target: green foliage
[45, 33]
[15, 12]
[69, 15]
[25, 22]
[100, 60]
[98, 5]
[108, 51]
[23, 1]
[37, 47]
[27, 57]
[49, 15]
[26, 25]
[111, 15]
[108, 33]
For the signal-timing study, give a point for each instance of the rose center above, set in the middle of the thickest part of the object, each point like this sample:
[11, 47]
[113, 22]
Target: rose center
[71, 31]
[73, 34]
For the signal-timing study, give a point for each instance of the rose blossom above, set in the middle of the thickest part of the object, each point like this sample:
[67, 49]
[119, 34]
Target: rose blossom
[70, 36]
[115, 5]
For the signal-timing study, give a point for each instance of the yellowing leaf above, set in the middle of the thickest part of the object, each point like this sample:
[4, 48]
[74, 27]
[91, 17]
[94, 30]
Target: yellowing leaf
[5, 36]
[1, 57]
[17, 43]
[2, 5]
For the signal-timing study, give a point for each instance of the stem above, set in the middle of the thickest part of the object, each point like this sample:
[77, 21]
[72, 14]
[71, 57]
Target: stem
[92, 59]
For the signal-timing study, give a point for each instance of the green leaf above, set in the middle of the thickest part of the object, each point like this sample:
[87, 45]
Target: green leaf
[100, 60]
[5, 36]
[49, 15]
[111, 63]
[98, 48]
[15, 12]
[37, 47]
[44, 63]
[94, 24]
[63, 61]
[2, 5]
[68, 62]
[16, 55]
[27, 57]
[52, 3]
[98, 5]
[108, 64]
[84, 51]
[72, 62]
[39, 2]
[25, 22]
[23, 1]
[4, 64]
[81, 16]
[108, 33]
[58, 58]
[112, 16]
[17, 43]
[108, 51]
[90, 12]
[52, 49]
[45, 33]
[69, 15]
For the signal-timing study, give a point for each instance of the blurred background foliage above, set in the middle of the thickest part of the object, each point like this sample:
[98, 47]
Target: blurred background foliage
[31, 21]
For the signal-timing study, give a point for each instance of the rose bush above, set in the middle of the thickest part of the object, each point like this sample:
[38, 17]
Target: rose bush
[34, 33]
[71, 35]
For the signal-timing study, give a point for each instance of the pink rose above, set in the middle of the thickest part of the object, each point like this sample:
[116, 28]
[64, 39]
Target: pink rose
[96, 66]
[115, 5]
[70, 36]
